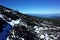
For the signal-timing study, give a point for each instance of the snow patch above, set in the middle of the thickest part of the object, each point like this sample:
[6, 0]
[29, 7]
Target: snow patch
[1, 15]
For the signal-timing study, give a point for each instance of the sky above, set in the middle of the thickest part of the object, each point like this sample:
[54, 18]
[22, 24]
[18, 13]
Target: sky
[33, 6]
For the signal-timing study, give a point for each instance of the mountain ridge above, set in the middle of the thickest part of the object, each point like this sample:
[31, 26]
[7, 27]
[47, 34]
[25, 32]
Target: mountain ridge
[25, 27]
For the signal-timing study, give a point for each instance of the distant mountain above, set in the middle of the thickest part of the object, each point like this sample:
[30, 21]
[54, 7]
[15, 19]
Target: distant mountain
[52, 16]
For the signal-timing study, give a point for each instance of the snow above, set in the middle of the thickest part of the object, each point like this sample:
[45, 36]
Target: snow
[1, 16]
[21, 38]
[13, 22]
[7, 10]
[42, 36]
[23, 23]
[42, 24]
[7, 38]
[46, 28]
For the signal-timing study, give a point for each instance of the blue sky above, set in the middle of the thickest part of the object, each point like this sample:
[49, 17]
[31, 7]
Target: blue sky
[33, 6]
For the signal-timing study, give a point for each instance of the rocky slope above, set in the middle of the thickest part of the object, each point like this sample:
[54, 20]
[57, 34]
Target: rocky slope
[17, 26]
